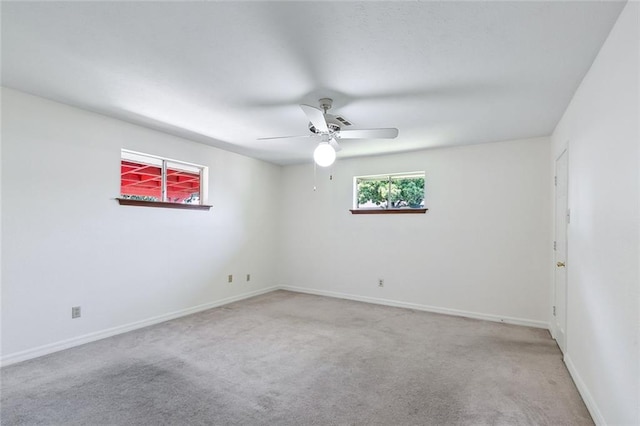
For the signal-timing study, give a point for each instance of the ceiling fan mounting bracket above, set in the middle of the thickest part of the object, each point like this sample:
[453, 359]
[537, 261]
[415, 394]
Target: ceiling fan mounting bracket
[325, 104]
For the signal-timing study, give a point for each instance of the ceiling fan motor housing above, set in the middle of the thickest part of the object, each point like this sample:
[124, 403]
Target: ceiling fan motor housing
[333, 124]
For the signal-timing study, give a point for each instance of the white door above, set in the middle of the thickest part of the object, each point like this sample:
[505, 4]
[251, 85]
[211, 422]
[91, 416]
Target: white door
[560, 261]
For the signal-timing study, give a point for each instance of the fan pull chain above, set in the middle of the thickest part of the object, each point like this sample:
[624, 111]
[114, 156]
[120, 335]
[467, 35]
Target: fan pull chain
[314, 176]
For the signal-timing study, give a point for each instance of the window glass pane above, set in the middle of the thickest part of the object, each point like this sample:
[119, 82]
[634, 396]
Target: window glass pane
[395, 191]
[372, 193]
[183, 186]
[407, 191]
[140, 181]
[141, 178]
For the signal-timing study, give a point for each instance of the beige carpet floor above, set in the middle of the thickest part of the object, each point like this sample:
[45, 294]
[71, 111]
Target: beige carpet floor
[286, 358]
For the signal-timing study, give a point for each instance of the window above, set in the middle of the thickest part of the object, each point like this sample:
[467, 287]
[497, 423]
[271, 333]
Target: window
[397, 193]
[150, 178]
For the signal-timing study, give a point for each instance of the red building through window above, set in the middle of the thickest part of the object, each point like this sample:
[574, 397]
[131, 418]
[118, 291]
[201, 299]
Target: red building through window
[145, 181]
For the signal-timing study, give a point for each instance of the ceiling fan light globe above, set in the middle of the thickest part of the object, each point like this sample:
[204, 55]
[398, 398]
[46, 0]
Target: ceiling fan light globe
[324, 155]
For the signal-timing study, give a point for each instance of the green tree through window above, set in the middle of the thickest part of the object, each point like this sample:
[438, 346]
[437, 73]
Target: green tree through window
[390, 191]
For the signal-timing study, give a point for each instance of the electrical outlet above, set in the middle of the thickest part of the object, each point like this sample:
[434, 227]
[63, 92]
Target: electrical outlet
[230, 278]
[380, 282]
[75, 312]
[248, 277]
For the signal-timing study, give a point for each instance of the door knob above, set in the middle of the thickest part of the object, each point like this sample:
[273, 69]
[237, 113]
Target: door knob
[560, 264]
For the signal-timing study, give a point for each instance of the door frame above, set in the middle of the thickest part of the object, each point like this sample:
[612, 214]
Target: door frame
[554, 328]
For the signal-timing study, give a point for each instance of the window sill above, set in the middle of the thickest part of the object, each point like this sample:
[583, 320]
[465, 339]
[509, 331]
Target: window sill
[388, 211]
[162, 204]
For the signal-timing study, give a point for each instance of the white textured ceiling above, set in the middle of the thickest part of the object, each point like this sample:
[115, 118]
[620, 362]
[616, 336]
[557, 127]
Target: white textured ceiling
[227, 73]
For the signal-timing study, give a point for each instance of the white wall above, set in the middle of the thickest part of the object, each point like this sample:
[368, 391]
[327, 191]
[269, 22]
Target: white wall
[603, 323]
[67, 242]
[482, 248]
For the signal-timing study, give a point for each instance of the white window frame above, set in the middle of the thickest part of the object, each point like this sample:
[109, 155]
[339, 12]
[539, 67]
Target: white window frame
[164, 163]
[389, 177]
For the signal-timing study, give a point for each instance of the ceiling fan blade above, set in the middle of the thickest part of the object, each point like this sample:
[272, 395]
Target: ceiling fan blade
[369, 134]
[283, 137]
[335, 145]
[316, 117]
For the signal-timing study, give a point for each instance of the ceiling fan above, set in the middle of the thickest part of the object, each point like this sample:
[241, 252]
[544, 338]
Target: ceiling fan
[330, 129]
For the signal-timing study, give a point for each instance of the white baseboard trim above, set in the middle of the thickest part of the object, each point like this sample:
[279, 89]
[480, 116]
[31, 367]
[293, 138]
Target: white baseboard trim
[584, 392]
[91, 337]
[419, 307]
[25, 355]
